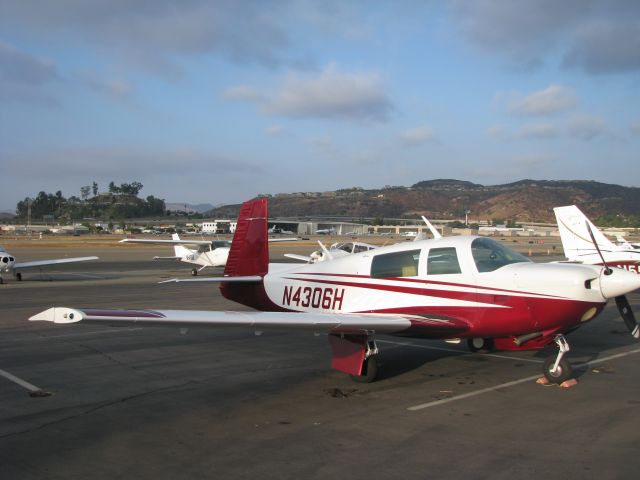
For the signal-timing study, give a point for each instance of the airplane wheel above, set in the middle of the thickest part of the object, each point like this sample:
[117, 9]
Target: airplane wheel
[1, 280]
[19, 276]
[194, 272]
[561, 374]
[369, 371]
[483, 345]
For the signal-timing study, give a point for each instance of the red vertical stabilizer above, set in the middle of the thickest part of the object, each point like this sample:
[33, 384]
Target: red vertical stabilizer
[249, 254]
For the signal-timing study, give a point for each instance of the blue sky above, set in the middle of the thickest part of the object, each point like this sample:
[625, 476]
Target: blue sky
[217, 101]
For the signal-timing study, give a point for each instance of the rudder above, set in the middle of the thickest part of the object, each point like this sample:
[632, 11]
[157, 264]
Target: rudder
[249, 254]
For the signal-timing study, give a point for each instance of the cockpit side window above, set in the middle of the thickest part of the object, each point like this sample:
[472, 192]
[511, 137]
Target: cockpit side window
[490, 255]
[396, 264]
[442, 261]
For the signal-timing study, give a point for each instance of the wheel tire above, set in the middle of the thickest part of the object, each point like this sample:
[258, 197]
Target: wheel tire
[482, 345]
[563, 373]
[19, 276]
[194, 272]
[369, 371]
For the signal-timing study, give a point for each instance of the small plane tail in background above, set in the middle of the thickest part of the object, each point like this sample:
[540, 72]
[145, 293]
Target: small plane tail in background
[574, 234]
[180, 250]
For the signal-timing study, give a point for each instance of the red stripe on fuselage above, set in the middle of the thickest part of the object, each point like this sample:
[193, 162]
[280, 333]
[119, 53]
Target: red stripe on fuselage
[426, 282]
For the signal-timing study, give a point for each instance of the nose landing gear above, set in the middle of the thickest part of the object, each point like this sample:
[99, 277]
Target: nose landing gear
[558, 369]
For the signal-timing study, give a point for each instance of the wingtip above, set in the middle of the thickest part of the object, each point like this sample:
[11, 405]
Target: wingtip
[57, 315]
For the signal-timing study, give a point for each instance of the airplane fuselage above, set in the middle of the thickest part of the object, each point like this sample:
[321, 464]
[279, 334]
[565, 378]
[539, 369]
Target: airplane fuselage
[510, 301]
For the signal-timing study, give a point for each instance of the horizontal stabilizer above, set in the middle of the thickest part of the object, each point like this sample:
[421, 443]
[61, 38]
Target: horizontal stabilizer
[245, 279]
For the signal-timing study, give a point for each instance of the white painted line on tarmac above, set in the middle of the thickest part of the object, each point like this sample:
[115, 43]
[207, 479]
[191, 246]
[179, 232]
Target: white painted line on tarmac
[435, 403]
[19, 381]
[453, 350]
[82, 334]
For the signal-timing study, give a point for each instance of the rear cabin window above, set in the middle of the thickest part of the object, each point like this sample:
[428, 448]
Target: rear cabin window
[490, 255]
[442, 261]
[397, 264]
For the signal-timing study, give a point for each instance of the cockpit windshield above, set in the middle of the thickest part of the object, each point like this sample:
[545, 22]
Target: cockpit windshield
[490, 255]
[220, 243]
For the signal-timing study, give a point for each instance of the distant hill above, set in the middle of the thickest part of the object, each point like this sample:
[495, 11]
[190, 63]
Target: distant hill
[523, 201]
[6, 215]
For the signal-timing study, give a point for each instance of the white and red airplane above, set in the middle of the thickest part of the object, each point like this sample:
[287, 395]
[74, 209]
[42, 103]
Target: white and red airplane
[579, 246]
[464, 287]
[8, 263]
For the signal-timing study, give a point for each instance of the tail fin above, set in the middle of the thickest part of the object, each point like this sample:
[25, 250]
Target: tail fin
[575, 237]
[249, 254]
[179, 250]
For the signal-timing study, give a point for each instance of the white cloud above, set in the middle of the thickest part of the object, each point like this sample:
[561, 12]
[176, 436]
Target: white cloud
[587, 34]
[417, 136]
[112, 87]
[275, 130]
[151, 34]
[537, 131]
[587, 127]
[635, 127]
[553, 99]
[242, 92]
[328, 94]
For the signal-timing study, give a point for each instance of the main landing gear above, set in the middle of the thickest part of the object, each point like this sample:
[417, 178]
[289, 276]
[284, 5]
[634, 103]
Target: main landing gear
[369, 364]
[558, 369]
[194, 272]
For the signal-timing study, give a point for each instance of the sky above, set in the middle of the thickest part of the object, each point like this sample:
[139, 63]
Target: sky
[217, 101]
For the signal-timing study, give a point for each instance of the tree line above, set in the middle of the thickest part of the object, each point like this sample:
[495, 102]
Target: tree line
[120, 202]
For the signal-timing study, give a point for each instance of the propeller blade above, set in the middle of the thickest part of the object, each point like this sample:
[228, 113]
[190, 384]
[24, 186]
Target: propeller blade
[627, 315]
[607, 270]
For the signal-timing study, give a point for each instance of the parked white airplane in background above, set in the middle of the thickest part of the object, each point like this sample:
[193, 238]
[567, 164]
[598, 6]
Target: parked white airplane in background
[454, 288]
[579, 246]
[336, 250]
[621, 242]
[341, 249]
[205, 253]
[326, 231]
[8, 263]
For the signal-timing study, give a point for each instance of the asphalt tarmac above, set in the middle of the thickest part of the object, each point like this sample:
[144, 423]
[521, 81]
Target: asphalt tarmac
[129, 402]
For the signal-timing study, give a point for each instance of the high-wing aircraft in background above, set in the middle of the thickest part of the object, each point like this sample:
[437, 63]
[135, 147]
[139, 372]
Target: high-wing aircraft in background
[336, 250]
[206, 253]
[454, 288]
[8, 263]
[579, 247]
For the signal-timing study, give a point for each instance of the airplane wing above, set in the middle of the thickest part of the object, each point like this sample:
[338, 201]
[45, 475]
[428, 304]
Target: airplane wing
[354, 323]
[316, 322]
[167, 258]
[295, 256]
[166, 242]
[285, 239]
[42, 263]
